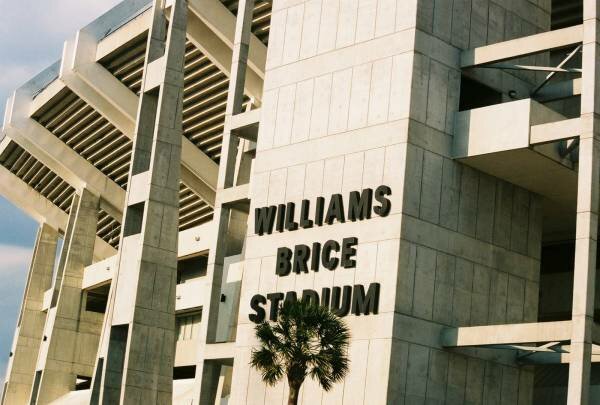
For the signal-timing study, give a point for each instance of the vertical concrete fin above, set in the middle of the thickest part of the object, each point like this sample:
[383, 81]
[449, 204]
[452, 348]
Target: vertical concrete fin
[135, 362]
[588, 195]
[71, 333]
[208, 372]
[30, 325]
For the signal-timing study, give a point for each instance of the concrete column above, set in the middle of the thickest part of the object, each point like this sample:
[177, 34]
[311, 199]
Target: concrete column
[587, 215]
[208, 372]
[71, 333]
[30, 326]
[135, 364]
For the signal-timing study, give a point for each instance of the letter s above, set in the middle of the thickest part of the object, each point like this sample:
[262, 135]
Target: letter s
[386, 205]
[255, 304]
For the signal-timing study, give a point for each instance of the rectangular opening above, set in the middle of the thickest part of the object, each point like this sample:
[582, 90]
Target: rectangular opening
[115, 360]
[142, 152]
[97, 299]
[184, 372]
[36, 387]
[474, 94]
[95, 397]
[133, 219]
[556, 281]
[566, 13]
[191, 268]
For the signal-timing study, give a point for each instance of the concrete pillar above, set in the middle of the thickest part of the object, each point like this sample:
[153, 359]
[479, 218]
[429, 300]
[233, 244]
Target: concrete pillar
[587, 214]
[208, 372]
[28, 334]
[71, 333]
[136, 360]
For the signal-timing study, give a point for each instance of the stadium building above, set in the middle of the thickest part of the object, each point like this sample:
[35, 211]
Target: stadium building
[428, 169]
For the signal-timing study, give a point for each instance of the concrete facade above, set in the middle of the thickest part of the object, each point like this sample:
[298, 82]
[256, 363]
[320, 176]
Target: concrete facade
[468, 127]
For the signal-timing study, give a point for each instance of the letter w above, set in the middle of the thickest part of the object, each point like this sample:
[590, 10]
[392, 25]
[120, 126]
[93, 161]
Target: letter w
[264, 218]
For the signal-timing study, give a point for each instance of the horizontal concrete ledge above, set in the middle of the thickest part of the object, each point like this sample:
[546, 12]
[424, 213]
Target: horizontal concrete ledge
[245, 125]
[538, 332]
[234, 195]
[521, 46]
[555, 131]
[219, 351]
[507, 126]
[191, 242]
[132, 29]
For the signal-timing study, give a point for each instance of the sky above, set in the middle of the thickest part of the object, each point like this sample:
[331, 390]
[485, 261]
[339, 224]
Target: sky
[32, 33]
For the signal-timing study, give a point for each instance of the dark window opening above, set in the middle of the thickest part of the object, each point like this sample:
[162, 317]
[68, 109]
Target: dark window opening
[474, 94]
[134, 219]
[184, 372]
[36, 387]
[191, 268]
[95, 395]
[97, 299]
[115, 359]
[556, 282]
[566, 13]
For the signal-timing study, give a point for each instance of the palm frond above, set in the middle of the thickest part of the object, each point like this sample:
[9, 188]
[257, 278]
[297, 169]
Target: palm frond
[306, 340]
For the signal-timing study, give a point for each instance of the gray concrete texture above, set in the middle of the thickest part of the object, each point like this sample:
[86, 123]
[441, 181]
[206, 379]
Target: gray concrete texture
[356, 97]
[357, 93]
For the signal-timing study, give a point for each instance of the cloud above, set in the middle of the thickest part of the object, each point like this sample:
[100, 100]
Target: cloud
[12, 259]
[33, 33]
[55, 19]
[16, 227]
[14, 75]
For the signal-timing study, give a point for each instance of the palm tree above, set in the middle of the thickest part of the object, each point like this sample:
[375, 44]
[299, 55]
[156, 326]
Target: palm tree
[306, 340]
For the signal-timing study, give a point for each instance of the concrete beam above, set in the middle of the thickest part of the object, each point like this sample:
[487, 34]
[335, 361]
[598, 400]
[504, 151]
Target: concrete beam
[219, 53]
[93, 83]
[521, 46]
[30, 326]
[139, 330]
[219, 351]
[118, 104]
[58, 157]
[30, 201]
[72, 342]
[208, 372]
[234, 195]
[537, 332]
[134, 28]
[190, 242]
[245, 124]
[588, 205]
[45, 96]
[42, 210]
[222, 22]
[555, 131]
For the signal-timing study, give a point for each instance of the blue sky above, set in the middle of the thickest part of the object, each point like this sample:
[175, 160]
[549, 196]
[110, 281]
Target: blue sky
[32, 34]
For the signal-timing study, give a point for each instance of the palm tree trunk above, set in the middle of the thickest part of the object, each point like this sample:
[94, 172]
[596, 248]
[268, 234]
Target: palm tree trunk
[294, 392]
